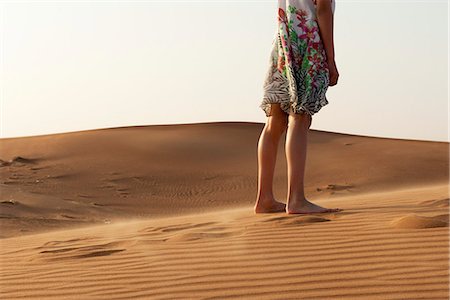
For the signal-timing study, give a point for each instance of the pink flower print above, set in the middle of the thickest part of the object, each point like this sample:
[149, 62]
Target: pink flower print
[282, 16]
[301, 16]
[301, 13]
[315, 46]
[284, 42]
[315, 59]
[302, 24]
[309, 33]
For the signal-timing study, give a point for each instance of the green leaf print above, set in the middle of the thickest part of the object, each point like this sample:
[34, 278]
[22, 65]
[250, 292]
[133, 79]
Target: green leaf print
[305, 63]
[294, 37]
[292, 9]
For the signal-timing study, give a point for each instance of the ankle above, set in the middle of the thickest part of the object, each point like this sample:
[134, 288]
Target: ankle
[265, 198]
[297, 200]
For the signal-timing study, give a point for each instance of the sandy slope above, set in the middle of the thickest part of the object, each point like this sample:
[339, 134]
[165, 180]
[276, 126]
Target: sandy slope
[175, 208]
[391, 245]
[93, 177]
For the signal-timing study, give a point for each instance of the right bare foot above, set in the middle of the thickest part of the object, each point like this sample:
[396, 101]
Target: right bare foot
[269, 207]
[306, 207]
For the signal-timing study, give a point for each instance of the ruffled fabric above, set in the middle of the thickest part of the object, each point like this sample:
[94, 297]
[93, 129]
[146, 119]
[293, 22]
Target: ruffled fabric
[298, 75]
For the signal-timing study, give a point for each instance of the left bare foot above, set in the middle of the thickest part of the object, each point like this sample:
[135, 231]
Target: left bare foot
[269, 207]
[304, 206]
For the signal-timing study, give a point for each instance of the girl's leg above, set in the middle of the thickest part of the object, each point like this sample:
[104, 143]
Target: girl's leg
[267, 154]
[296, 145]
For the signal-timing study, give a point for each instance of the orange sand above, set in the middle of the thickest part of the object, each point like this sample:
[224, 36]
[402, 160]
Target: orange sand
[165, 212]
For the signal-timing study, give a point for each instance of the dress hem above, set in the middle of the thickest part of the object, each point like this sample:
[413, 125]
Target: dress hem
[289, 107]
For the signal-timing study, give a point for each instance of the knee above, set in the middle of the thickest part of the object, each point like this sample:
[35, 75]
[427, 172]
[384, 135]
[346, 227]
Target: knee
[277, 124]
[277, 121]
[300, 119]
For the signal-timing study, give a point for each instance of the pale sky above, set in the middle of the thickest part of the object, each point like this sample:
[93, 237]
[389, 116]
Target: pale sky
[78, 65]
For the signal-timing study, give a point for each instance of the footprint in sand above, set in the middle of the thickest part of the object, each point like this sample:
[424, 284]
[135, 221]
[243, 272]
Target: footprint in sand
[436, 202]
[98, 204]
[205, 233]
[335, 188]
[84, 196]
[194, 236]
[61, 250]
[10, 202]
[174, 228]
[191, 232]
[83, 252]
[62, 176]
[413, 221]
[18, 160]
[59, 243]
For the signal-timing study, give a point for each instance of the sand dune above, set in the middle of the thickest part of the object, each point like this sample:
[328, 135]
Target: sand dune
[101, 176]
[165, 212]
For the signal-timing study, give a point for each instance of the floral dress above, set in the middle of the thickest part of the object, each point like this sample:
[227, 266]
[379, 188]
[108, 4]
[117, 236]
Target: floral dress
[298, 75]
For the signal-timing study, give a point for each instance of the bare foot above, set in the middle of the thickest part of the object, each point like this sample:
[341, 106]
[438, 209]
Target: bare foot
[272, 206]
[306, 207]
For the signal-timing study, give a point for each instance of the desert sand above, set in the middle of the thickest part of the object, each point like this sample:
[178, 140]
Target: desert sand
[166, 212]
